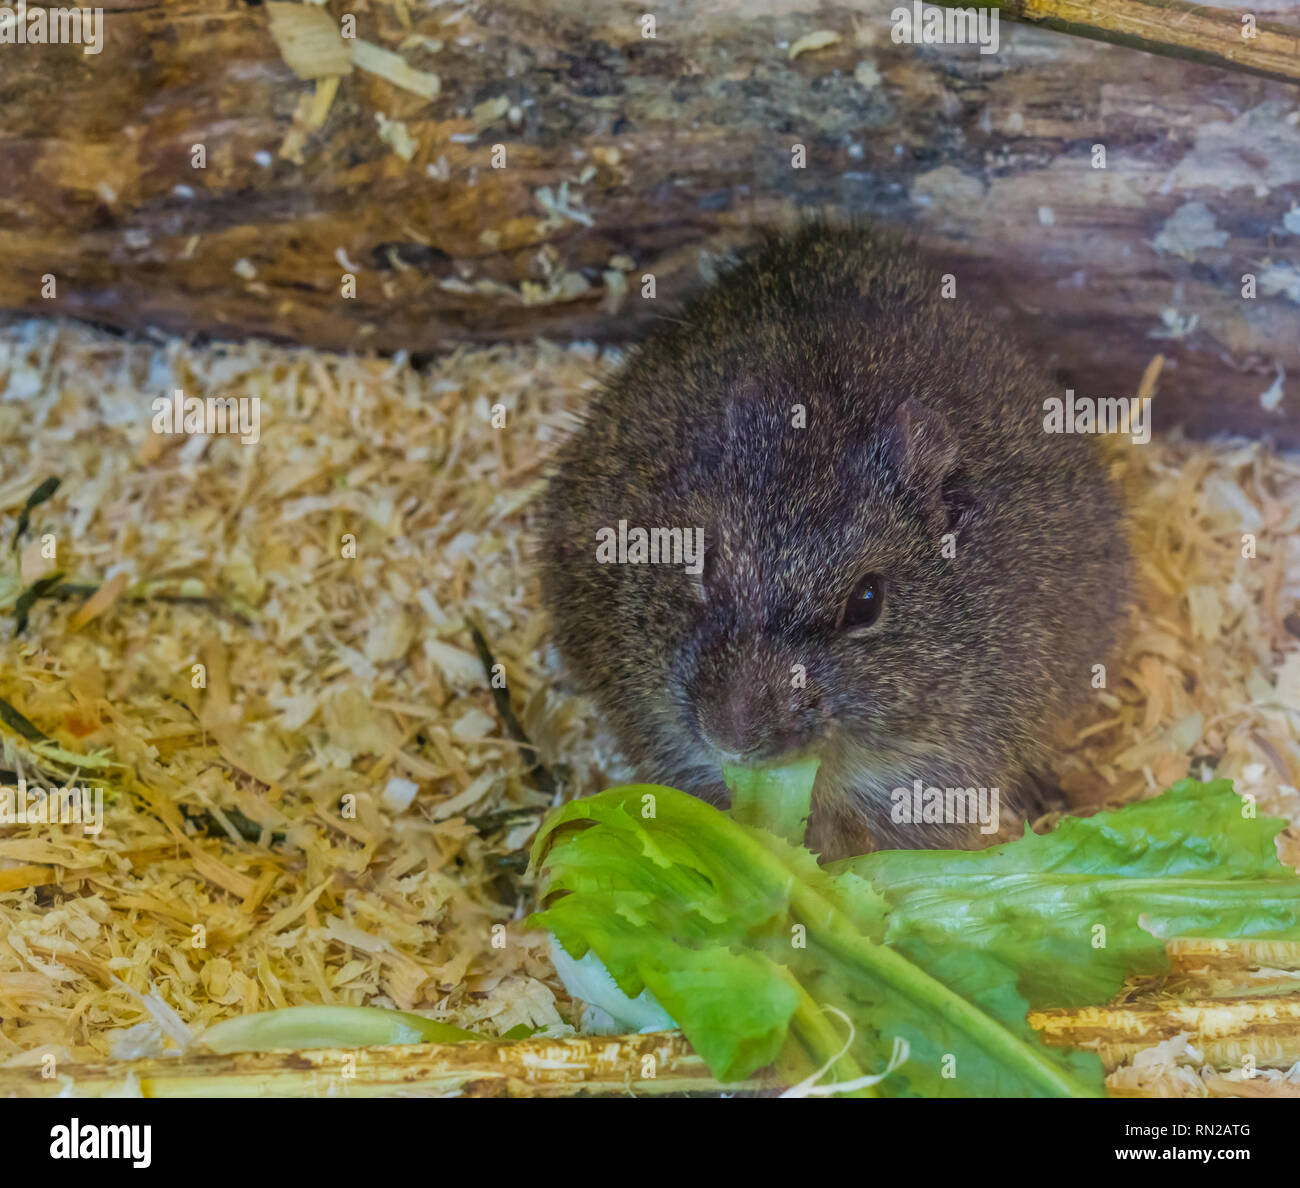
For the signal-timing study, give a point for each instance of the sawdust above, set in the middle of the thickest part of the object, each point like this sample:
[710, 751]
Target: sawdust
[295, 830]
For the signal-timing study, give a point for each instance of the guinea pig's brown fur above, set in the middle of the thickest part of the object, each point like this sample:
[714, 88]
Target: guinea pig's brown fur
[824, 414]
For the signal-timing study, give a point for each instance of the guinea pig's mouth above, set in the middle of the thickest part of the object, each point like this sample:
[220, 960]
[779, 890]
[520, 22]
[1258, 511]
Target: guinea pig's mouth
[762, 756]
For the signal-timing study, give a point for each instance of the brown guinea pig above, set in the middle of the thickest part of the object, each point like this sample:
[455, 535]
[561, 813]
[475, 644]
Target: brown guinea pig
[901, 570]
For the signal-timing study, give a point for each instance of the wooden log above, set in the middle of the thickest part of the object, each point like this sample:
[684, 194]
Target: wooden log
[624, 156]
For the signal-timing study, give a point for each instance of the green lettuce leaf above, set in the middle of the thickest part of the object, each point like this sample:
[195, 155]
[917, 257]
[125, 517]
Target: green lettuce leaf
[1074, 912]
[764, 957]
[744, 939]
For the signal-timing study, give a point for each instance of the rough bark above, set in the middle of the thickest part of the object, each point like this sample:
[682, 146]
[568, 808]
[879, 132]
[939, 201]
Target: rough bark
[667, 145]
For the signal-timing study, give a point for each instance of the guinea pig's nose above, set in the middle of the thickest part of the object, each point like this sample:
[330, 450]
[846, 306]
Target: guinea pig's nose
[748, 723]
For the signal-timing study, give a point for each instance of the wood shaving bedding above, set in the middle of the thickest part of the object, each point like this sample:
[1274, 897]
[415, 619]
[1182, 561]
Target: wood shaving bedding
[301, 829]
[295, 831]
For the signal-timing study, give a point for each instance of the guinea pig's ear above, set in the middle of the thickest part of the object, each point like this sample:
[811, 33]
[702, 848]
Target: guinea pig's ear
[920, 448]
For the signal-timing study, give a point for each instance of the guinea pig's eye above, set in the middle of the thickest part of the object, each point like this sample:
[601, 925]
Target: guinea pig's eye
[865, 603]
